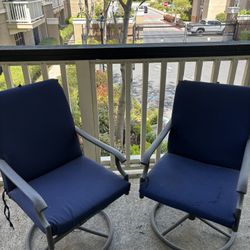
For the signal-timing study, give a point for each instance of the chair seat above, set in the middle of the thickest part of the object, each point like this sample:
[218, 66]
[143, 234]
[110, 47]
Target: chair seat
[203, 190]
[73, 192]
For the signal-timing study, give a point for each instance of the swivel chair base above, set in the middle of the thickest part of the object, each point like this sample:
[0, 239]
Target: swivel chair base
[231, 236]
[53, 240]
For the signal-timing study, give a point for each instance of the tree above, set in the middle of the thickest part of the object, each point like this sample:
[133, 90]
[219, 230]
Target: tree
[179, 7]
[89, 11]
[121, 106]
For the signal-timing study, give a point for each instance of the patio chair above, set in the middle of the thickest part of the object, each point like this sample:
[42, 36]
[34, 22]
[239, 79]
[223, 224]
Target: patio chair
[43, 168]
[205, 171]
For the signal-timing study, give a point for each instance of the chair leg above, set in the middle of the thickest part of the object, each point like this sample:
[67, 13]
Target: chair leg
[50, 240]
[231, 236]
[109, 236]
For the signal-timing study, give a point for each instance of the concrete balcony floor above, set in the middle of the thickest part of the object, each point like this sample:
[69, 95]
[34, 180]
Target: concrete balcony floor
[130, 217]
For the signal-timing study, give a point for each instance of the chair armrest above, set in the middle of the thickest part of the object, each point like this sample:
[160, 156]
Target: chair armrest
[36, 199]
[100, 144]
[146, 156]
[245, 170]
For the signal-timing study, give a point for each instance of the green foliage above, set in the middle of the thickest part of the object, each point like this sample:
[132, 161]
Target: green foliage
[244, 12]
[152, 116]
[178, 7]
[66, 33]
[164, 147]
[69, 20]
[113, 41]
[49, 41]
[134, 149]
[150, 137]
[245, 35]
[221, 17]
[185, 16]
[74, 97]
[91, 40]
[35, 72]
[98, 9]
[17, 75]
[103, 111]
[157, 5]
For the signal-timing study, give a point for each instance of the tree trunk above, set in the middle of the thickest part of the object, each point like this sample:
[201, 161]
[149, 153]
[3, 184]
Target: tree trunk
[121, 107]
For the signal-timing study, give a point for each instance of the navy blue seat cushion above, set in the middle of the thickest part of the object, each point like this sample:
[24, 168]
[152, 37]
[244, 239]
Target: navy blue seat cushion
[73, 193]
[210, 123]
[37, 132]
[203, 190]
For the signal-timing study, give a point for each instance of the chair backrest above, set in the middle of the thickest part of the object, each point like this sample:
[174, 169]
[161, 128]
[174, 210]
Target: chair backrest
[211, 123]
[37, 131]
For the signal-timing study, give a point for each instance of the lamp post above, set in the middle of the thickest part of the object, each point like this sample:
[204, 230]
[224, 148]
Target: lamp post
[101, 25]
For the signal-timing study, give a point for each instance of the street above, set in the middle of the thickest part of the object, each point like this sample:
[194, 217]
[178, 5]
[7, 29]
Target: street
[171, 80]
[156, 30]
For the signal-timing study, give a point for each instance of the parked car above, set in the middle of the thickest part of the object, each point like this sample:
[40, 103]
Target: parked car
[206, 26]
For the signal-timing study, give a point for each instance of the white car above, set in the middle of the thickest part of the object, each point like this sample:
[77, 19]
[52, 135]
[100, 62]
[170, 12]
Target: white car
[206, 26]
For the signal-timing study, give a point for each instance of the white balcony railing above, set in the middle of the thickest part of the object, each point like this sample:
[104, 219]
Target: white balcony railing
[23, 11]
[151, 74]
[47, 2]
[57, 3]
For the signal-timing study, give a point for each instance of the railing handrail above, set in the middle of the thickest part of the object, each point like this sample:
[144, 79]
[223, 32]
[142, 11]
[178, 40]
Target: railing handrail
[23, 2]
[127, 51]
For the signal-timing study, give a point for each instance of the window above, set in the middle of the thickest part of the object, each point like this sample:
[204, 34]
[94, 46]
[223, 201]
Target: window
[19, 38]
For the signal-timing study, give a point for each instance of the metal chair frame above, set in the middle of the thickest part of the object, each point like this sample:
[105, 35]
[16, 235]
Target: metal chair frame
[40, 205]
[241, 190]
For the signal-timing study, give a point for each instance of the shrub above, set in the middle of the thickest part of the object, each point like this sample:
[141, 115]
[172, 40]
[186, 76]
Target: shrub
[92, 41]
[221, 17]
[152, 116]
[113, 41]
[245, 35]
[49, 41]
[134, 149]
[66, 33]
[185, 16]
[69, 20]
[150, 137]
[244, 12]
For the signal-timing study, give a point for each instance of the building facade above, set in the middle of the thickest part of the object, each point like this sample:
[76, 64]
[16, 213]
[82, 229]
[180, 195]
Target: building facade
[29, 22]
[208, 9]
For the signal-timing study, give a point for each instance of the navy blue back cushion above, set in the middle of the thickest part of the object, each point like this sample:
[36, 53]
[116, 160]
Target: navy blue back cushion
[37, 132]
[211, 123]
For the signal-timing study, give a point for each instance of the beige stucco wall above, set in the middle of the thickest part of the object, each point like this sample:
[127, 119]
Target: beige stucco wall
[74, 8]
[43, 31]
[53, 31]
[213, 7]
[216, 7]
[196, 11]
[29, 37]
[5, 37]
[77, 32]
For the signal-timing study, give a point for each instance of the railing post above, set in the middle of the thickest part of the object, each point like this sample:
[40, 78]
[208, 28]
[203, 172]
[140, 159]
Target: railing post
[161, 102]
[27, 11]
[215, 70]
[7, 76]
[246, 76]
[88, 105]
